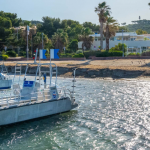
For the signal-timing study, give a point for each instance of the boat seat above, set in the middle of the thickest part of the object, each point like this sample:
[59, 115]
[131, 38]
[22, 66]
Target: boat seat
[13, 106]
[2, 108]
[26, 104]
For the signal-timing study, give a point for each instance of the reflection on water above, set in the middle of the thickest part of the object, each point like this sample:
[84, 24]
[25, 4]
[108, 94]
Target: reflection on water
[111, 116]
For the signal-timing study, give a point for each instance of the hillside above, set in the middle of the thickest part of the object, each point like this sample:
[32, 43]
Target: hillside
[139, 24]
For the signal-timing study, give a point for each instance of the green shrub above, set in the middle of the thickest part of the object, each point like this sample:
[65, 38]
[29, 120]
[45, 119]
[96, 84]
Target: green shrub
[119, 47]
[115, 53]
[22, 53]
[134, 54]
[3, 52]
[102, 54]
[69, 55]
[146, 53]
[103, 51]
[114, 50]
[47, 55]
[11, 53]
[5, 57]
[78, 55]
[79, 51]
[87, 54]
[109, 54]
[66, 55]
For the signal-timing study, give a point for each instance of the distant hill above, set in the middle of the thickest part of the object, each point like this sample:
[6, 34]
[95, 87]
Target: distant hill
[139, 24]
[34, 22]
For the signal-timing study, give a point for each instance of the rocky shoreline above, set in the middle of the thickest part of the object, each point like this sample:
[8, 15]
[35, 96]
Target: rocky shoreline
[66, 71]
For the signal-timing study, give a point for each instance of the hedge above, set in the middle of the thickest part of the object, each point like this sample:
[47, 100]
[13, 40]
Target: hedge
[87, 54]
[103, 53]
[146, 53]
[115, 53]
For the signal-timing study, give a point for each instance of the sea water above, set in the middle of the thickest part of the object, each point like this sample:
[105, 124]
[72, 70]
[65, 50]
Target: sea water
[112, 115]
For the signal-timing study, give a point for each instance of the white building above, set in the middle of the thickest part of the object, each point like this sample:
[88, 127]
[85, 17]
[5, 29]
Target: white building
[135, 43]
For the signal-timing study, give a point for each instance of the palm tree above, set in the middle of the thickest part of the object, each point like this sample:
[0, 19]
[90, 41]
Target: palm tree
[37, 40]
[111, 26]
[60, 39]
[103, 11]
[85, 38]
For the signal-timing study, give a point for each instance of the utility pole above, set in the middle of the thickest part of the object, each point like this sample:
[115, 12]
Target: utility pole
[31, 46]
[17, 33]
[42, 41]
[122, 44]
[27, 43]
[17, 40]
[27, 40]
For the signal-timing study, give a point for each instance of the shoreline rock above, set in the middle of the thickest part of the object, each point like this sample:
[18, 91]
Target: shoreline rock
[89, 72]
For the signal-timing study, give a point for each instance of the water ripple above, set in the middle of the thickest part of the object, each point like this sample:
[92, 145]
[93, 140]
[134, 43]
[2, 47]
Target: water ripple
[111, 116]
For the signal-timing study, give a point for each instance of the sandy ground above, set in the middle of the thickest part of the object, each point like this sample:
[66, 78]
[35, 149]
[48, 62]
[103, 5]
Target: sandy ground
[128, 64]
[106, 63]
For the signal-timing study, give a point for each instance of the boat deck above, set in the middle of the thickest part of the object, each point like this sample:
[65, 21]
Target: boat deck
[17, 102]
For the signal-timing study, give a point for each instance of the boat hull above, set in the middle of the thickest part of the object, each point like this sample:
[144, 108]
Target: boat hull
[5, 84]
[34, 110]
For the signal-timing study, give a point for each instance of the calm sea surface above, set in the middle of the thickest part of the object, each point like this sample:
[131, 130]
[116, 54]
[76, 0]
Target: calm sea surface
[112, 115]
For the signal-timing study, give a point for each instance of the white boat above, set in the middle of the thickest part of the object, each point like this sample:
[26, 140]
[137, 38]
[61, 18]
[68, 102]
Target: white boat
[5, 81]
[36, 98]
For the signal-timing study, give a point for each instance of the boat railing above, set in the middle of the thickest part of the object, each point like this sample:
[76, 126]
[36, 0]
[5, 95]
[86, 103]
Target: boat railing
[41, 95]
[39, 71]
[63, 92]
[11, 99]
[4, 70]
[8, 99]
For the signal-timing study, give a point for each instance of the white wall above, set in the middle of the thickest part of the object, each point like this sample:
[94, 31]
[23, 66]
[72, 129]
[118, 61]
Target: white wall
[113, 43]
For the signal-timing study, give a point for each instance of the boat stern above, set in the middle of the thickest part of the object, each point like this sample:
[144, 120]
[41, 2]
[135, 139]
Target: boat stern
[74, 105]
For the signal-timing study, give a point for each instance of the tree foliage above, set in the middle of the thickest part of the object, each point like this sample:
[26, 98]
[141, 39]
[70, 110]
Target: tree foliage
[119, 47]
[13, 17]
[73, 45]
[92, 26]
[124, 28]
[139, 24]
[140, 31]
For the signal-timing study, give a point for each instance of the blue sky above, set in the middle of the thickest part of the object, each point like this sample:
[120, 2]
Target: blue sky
[79, 10]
